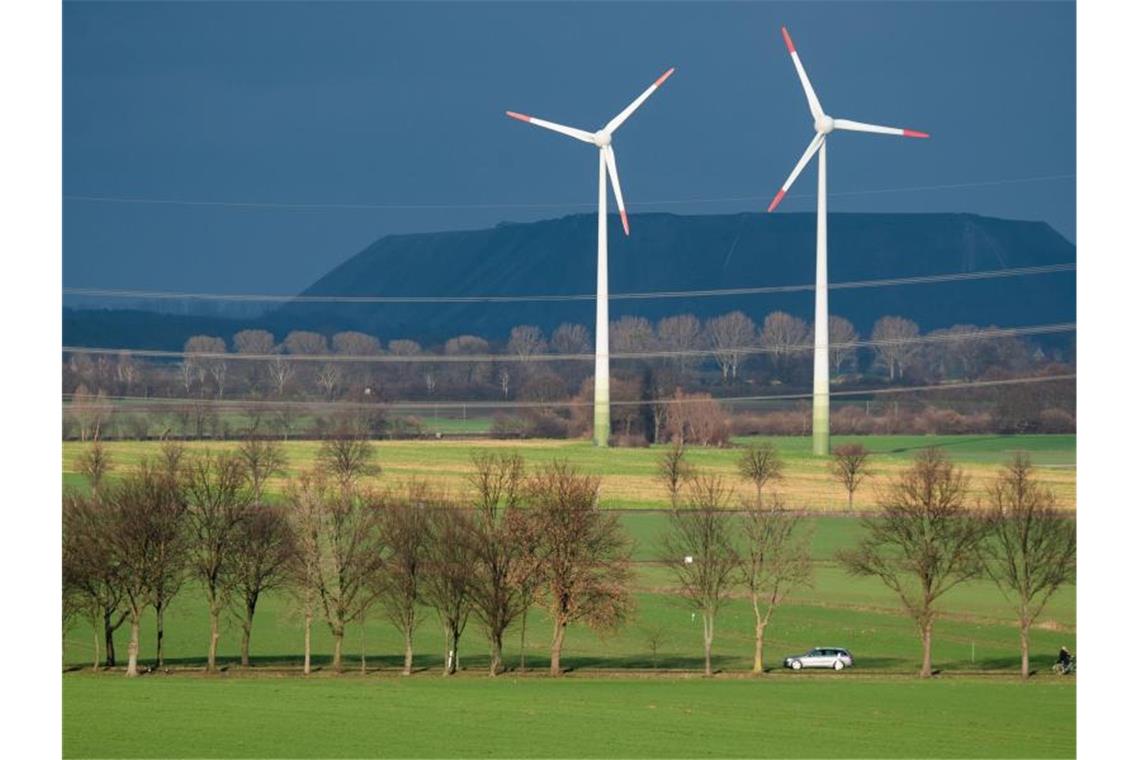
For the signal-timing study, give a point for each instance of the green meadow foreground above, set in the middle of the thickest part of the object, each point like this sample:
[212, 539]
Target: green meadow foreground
[828, 715]
[628, 475]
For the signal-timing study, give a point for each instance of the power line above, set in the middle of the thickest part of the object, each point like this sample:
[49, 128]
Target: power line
[938, 337]
[311, 206]
[141, 402]
[634, 296]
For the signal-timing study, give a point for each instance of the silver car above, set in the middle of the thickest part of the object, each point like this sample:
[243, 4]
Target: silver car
[835, 658]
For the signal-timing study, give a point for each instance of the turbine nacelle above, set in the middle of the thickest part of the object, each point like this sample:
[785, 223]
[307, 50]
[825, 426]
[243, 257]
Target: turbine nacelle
[825, 125]
[602, 138]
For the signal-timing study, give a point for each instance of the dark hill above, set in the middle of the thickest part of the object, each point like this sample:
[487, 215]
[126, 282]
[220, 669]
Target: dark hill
[667, 253]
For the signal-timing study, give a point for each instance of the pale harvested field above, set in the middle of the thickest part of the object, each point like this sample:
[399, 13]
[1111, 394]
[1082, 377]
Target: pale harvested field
[628, 475]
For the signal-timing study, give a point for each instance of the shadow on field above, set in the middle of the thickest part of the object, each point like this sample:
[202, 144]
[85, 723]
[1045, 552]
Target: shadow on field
[944, 444]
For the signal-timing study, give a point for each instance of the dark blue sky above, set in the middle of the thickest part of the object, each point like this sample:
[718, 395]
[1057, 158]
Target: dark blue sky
[395, 103]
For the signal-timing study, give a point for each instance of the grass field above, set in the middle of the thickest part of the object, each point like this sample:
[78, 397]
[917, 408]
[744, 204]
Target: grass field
[350, 716]
[629, 475]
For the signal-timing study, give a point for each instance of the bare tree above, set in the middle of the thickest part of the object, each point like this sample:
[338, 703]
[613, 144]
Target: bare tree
[133, 517]
[775, 559]
[526, 341]
[762, 465]
[348, 459]
[1032, 549]
[263, 551]
[170, 540]
[405, 524]
[90, 573]
[841, 337]
[700, 551]
[254, 342]
[499, 593]
[730, 337]
[631, 335]
[923, 543]
[674, 470]
[262, 459]
[447, 586]
[306, 343]
[218, 499]
[340, 550]
[571, 339]
[849, 465]
[205, 357]
[94, 464]
[680, 335]
[784, 337]
[696, 418]
[585, 555]
[894, 341]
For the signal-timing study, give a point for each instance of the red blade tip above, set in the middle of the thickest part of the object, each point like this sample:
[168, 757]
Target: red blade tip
[775, 201]
[519, 116]
[787, 39]
[624, 221]
[661, 79]
[914, 133]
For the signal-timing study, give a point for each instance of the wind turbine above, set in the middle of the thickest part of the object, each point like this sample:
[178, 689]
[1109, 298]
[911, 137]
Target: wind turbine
[824, 126]
[607, 164]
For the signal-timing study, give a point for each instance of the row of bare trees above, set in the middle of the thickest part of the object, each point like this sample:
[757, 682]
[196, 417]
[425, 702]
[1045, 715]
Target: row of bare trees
[253, 364]
[342, 549]
[922, 542]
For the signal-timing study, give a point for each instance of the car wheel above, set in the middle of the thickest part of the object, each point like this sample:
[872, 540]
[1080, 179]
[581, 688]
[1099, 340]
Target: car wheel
[796, 664]
[839, 664]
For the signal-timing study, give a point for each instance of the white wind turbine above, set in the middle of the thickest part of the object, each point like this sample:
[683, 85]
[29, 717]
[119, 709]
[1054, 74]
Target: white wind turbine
[824, 125]
[602, 139]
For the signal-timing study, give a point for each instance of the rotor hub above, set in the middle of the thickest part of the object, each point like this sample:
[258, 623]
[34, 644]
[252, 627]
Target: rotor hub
[601, 138]
[824, 124]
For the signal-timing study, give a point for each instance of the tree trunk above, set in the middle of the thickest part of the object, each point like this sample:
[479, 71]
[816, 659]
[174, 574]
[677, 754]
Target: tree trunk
[133, 648]
[927, 670]
[451, 656]
[408, 651]
[850, 500]
[522, 645]
[708, 631]
[1024, 649]
[758, 657]
[247, 631]
[308, 643]
[556, 649]
[212, 654]
[95, 631]
[109, 637]
[338, 645]
[496, 652]
[159, 608]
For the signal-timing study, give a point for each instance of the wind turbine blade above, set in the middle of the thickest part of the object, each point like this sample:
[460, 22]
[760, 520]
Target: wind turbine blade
[813, 101]
[812, 147]
[580, 134]
[618, 120]
[611, 167]
[858, 126]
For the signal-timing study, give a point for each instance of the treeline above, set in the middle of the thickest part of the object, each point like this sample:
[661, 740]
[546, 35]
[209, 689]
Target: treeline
[524, 538]
[720, 356]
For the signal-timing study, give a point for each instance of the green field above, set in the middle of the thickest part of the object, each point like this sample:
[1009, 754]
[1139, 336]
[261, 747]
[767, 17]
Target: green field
[629, 475]
[826, 716]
